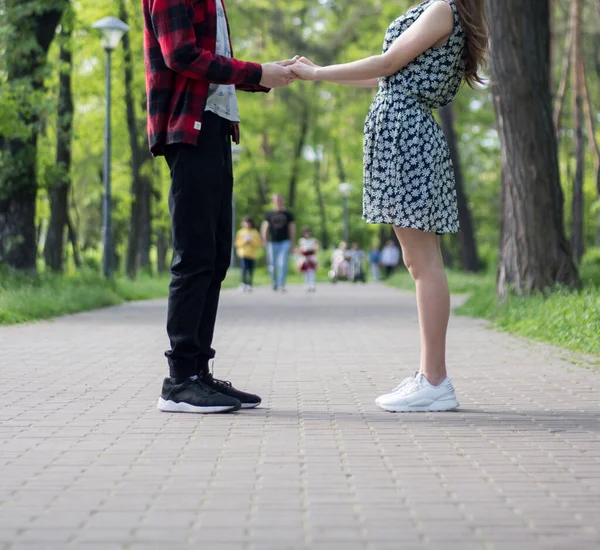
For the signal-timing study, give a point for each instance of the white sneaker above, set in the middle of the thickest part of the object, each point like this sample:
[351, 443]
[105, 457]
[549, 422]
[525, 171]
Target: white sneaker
[418, 395]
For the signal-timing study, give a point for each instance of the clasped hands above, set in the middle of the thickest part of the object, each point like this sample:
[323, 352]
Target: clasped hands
[283, 73]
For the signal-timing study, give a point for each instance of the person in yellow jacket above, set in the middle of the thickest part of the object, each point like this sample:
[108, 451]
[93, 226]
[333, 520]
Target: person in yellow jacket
[247, 243]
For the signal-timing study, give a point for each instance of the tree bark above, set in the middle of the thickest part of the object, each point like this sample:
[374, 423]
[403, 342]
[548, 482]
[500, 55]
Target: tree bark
[321, 199]
[162, 247]
[304, 125]
[564, 79]
[26, 57]
[59, 192]
[577, 237]
[132, 259]
[535, 254]
[74, 241]
[468, 242]
[145, 213]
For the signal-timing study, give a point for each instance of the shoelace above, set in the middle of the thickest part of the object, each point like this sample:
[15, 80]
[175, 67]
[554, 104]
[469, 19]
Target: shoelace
[405, 382]
[209, 377]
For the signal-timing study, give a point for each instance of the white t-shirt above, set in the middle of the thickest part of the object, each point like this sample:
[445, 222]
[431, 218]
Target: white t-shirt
[390, 255]
[221, 98]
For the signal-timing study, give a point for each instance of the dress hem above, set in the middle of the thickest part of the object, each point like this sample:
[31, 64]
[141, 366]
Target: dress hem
[411, 226]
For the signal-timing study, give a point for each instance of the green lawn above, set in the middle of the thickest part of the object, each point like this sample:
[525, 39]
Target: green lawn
[566, 318]
[26, 298]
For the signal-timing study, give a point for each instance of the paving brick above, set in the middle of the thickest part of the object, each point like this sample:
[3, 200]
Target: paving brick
[318, 467]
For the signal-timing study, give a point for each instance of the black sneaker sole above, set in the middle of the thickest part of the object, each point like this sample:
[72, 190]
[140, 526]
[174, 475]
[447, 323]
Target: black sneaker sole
[172, 406]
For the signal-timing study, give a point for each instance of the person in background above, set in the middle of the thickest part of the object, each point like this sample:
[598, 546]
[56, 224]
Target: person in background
[357, 257]
[278, 230]
[339, 262]
[307, 248]
[247, 243]
[390, 257]
[374, 261]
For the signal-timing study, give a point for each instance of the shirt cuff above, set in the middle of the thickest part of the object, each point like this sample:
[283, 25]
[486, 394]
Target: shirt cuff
[253, 73]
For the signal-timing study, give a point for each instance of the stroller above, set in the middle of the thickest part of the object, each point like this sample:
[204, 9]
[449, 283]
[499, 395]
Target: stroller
[340, 264]
[356, 268]
[347, 265]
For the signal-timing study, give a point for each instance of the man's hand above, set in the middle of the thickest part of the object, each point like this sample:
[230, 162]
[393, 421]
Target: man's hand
[276, 75]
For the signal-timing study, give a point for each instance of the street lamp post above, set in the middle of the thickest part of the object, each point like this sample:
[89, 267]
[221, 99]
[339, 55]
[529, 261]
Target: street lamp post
[236, 152]
[344, 189]
[112, 30]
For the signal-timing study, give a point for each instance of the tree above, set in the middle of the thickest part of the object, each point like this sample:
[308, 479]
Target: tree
[60, 186]
[31, 26]
[577, 240]
[468, 243]
[534, 252]
[139, 238]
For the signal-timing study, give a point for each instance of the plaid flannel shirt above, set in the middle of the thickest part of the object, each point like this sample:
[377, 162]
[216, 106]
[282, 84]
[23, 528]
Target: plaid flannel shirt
[180, 37]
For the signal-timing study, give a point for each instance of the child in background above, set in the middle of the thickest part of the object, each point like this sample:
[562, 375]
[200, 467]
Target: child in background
[247, 243]
[308, 247]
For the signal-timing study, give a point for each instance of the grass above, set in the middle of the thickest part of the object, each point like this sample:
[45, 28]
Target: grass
[25, 298]
[566, 318]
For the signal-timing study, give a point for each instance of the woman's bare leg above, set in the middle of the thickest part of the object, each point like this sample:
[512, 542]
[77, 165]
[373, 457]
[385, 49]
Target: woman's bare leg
[423, 258]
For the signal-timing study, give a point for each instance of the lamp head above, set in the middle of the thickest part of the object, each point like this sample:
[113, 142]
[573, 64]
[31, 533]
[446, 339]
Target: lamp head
[344, 188]
[112, 30]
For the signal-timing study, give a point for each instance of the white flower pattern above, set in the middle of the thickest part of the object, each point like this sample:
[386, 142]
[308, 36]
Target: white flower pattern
[408, 173]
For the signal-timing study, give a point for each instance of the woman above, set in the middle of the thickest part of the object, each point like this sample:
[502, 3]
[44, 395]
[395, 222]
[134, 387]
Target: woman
[247, 243]
[408, 175]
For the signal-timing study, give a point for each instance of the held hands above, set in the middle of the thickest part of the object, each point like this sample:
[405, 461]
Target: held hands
[282, 73]
[304, 69]
[276, 75]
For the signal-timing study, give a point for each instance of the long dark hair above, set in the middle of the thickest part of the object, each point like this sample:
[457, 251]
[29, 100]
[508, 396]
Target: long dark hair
[474, 20]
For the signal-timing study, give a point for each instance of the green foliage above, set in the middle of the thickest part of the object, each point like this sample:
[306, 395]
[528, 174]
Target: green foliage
[25, 298]
[592, 256]
[566, 318]
[563, 318]
[458, 281]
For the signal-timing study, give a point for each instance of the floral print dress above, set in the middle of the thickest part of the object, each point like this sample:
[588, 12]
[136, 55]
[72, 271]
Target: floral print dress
[408, 173]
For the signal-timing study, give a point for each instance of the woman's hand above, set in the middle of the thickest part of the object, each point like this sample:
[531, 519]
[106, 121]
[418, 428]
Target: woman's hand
[303, 70]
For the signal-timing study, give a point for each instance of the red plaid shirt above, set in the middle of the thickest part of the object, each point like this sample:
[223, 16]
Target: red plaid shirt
[180, 37]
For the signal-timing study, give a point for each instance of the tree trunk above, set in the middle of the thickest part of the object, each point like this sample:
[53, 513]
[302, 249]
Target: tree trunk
[564, 79]
[59, 191]
[132, 259]
[321, 199]
[468, 243]
[145, 219]
[162, 247]
[25, 60]
[535, 254]
[263, 181]
[74, 242]
[304, 124]
[577, 237]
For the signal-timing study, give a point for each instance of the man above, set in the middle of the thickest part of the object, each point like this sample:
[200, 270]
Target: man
[191, 79]
[278, 231]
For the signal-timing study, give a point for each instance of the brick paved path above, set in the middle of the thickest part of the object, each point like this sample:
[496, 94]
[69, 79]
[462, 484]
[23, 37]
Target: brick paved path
[87, 462]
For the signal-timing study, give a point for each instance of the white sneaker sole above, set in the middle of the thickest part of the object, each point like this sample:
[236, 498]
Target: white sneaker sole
[250, 405]
[440, 405]
[171, 406]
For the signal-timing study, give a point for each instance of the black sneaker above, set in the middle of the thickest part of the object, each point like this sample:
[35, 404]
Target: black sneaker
[248, 400]
[193, 396]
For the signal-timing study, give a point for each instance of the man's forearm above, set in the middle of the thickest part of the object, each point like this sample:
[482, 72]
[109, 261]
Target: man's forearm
[179, 47]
